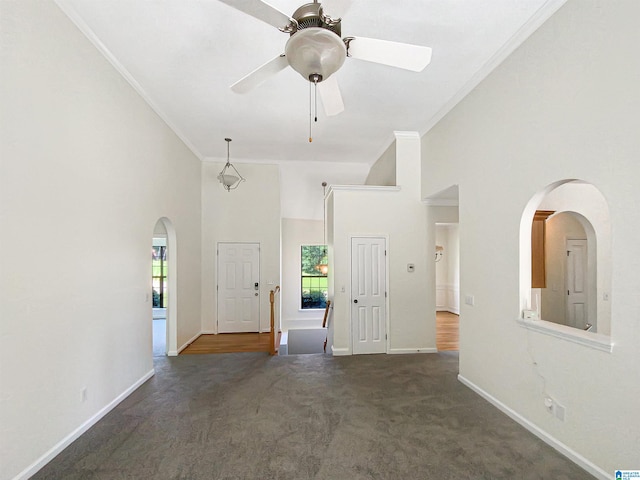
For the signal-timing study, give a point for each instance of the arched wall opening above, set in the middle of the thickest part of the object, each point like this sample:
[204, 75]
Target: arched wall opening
[577, 211]
[164, 229]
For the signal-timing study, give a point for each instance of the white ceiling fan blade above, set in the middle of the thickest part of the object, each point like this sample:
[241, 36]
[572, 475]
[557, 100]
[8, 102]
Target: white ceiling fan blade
[394, 54]
[336, 8]
[260, 74]
[261, 10]
[331, 96]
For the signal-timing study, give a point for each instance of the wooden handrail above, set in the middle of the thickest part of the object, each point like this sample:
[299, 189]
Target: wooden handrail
[324, 323]
[275, 339]
[326, 314]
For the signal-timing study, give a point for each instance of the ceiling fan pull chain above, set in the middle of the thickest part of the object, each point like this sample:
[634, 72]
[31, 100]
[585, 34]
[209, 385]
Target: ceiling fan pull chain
[315, 98]
[310, 112]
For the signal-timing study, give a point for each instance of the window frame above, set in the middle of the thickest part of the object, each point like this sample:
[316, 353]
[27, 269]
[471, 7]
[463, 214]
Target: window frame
[301, 306]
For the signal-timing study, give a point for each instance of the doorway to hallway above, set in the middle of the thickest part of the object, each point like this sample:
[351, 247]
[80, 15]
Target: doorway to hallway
[447, 261]
[447, 331]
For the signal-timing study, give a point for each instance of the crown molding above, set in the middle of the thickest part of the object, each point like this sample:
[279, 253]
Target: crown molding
[77, 20]
[542, 15]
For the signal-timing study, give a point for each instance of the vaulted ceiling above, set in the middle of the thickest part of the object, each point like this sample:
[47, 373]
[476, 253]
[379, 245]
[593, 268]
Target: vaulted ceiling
[183, 55]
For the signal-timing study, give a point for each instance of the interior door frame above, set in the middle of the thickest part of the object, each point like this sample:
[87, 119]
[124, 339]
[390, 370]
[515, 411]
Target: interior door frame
[386, 280]
[217, 281]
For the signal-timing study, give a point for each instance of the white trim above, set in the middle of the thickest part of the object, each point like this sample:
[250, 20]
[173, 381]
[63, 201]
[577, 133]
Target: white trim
[366, 188]
[401, 351]
[440, 202]
[189, 342]
[340, 351]
[571, 454]
[542, 15]
[406, 134]
[70, 12]
[69, 439]
[596, 341]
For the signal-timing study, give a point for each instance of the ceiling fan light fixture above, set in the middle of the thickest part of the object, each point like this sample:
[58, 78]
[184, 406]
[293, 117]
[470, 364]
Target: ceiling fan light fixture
[314, 52]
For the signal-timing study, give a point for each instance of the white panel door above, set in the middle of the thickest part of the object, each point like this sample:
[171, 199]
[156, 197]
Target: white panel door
[238, 287]
[577, 283]
[368, 295]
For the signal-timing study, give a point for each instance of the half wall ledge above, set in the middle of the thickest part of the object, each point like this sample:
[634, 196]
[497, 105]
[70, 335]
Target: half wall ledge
[596, 341]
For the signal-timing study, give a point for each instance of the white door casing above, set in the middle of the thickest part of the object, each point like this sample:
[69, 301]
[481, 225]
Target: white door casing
[577, 284]
[238, 287]
[368, 295]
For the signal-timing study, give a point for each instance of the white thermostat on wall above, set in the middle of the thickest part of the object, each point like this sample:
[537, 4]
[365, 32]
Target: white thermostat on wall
[411, 267]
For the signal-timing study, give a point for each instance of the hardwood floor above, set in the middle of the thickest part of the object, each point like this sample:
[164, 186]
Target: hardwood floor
[447, 331]
[447, 337]
[229, 343]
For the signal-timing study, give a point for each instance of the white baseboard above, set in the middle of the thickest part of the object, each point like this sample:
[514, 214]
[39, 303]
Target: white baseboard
[189, 342]
[394, 351]
[572, 455]
[69, 439]
[340, 351]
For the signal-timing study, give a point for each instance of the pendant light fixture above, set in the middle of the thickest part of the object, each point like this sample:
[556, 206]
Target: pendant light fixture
[322, 265]
[229, 177]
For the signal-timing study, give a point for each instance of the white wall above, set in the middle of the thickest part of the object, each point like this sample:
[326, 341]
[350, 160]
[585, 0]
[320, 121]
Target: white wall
[383, 172]
[375, 211]
[302, 195]
[564, 105]
[296, 233]
[86, 162]
[248, 214]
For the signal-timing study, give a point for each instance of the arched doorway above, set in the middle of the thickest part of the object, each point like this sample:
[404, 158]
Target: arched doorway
[163, 278]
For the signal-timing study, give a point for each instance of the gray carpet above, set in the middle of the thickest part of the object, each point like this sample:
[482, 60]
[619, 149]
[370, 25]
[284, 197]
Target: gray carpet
[251, 416]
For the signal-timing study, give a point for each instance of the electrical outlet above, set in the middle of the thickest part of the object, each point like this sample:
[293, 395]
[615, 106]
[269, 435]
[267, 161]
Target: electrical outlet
[558, 411]
[469, 300]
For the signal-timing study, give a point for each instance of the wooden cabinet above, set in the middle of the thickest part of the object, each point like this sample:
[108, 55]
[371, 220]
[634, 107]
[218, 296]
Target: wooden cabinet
[538, 231]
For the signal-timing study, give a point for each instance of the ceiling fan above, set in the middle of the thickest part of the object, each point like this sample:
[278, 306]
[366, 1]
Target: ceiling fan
[316, 50]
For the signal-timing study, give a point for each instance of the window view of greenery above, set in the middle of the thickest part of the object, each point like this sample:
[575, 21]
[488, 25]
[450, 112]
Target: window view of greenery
[159, 276]
[314, 281]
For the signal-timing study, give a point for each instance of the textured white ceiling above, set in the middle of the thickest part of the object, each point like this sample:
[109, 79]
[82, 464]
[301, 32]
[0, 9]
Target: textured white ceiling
[182, 55]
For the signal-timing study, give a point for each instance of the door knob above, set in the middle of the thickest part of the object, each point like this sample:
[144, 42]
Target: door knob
[355, 301]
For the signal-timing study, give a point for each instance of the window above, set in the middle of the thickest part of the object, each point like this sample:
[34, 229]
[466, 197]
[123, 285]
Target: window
[159, 276]
[313, 277]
